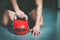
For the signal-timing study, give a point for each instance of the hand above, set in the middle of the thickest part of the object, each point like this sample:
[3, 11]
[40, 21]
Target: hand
[20, 14]
[35, 30]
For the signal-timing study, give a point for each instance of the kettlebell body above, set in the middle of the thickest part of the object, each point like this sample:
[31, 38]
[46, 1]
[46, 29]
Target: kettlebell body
[21, 25]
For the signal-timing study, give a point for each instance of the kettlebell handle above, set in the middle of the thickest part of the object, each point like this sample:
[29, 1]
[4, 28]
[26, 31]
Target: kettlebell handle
[20, 18]
[17, 18]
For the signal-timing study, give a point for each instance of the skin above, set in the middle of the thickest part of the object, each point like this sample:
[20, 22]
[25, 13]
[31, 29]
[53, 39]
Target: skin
[37, 12]
[36, 28]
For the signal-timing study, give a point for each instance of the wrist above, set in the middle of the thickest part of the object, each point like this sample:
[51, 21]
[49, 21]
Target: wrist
[37, 25]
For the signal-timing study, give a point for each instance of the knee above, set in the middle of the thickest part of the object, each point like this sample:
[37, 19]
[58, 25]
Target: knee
[41, 24]
[5, 18]
[4, 23]
[32, 14]
[42, 21]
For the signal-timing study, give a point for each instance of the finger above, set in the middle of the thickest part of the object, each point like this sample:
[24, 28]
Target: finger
[33, 33]
[31, 30]
[38, 34]
[22, 16]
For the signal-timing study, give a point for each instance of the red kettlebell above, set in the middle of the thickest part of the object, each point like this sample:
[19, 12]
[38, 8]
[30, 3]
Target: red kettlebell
[21, 25]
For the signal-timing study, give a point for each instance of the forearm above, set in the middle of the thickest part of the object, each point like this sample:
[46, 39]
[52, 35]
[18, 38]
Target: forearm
[38, 13]
[15, 5]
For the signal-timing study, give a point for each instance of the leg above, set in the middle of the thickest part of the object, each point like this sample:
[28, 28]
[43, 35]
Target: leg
[5, 18]
[32, 14]
[8, 14]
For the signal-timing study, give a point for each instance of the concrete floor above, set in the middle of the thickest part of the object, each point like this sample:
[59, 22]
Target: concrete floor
[48, 30]
[58, 25]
